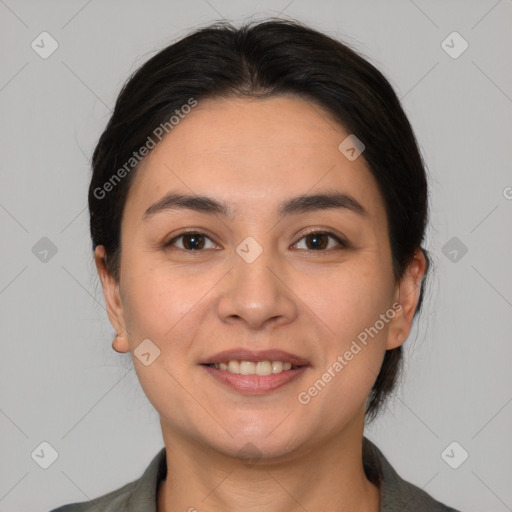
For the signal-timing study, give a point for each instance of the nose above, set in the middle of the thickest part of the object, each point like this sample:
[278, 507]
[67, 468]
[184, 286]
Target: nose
[257, 293]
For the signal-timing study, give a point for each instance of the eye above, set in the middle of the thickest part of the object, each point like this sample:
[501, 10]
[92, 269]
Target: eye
[314, 241]
[191, 241]
[319, 240]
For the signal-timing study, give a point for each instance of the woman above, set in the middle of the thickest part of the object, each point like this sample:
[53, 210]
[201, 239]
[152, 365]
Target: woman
[258, 206]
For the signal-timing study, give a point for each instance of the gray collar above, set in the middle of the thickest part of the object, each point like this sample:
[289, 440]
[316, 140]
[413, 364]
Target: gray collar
[397, 495]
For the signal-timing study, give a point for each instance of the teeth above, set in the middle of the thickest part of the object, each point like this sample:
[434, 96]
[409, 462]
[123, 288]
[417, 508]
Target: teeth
[233, 367]
[249, 368]
[277, 366]
[263, 368]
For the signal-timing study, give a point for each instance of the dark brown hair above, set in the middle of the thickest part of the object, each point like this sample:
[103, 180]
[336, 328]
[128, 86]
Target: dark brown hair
[264, 59]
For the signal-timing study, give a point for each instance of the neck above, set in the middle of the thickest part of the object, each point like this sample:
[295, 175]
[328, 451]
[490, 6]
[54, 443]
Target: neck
[329, 477]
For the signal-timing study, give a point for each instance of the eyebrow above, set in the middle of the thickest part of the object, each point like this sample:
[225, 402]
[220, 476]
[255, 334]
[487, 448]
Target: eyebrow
[295, 205]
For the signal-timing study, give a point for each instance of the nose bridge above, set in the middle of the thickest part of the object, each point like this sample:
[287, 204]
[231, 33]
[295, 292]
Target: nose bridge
[255, 292]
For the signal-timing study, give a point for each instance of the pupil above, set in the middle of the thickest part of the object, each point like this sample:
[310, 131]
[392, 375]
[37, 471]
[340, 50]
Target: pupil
[317, 240]
[193, 241]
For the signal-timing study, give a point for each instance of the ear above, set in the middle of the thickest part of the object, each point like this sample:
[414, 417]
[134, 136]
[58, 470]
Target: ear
[407, 294]
[113, 301]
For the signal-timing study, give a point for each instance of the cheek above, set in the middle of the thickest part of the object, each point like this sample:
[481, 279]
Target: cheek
[351, 307]
[349, 299]
[156, 300]
[163, 308]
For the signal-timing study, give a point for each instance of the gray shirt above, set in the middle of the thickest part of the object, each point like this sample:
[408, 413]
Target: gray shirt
[396, 495]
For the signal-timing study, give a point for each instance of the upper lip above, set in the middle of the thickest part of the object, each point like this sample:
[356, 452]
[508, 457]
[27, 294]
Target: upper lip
[241, 354]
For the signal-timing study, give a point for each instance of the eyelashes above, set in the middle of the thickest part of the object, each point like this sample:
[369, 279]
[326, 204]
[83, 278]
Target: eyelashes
[197, 241]
[197, 238]
[317, 235]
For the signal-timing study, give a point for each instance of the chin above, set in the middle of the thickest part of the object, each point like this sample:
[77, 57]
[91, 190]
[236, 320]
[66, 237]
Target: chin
[266, 441]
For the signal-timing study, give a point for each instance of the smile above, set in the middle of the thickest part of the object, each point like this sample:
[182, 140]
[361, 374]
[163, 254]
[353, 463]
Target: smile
[254, 368]
[252, 378]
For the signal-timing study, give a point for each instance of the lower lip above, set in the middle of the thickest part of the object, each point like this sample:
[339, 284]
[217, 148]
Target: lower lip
[255, 384]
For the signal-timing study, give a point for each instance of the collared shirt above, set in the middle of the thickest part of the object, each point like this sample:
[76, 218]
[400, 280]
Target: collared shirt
[396, 495]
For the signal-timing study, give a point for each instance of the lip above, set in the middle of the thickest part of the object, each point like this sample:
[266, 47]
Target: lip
[254, 356]
[255, 384]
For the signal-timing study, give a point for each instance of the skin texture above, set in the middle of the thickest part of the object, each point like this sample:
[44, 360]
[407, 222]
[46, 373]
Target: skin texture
[252, 155]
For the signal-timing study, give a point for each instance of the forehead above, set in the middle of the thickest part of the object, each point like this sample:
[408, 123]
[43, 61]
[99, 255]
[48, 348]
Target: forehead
[252, 153]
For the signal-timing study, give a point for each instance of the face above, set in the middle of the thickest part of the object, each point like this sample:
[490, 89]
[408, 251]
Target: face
[270, 273]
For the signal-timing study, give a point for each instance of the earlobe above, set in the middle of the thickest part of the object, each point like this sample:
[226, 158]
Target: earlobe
[408, 292]
[113, 301]
[120, 344]
[396, 336]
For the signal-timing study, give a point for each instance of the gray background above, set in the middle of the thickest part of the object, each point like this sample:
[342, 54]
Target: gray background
[60, 381]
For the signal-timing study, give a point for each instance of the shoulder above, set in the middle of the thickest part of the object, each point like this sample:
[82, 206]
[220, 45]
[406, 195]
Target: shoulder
[115, 501]
[138, 495]
[396, 493]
